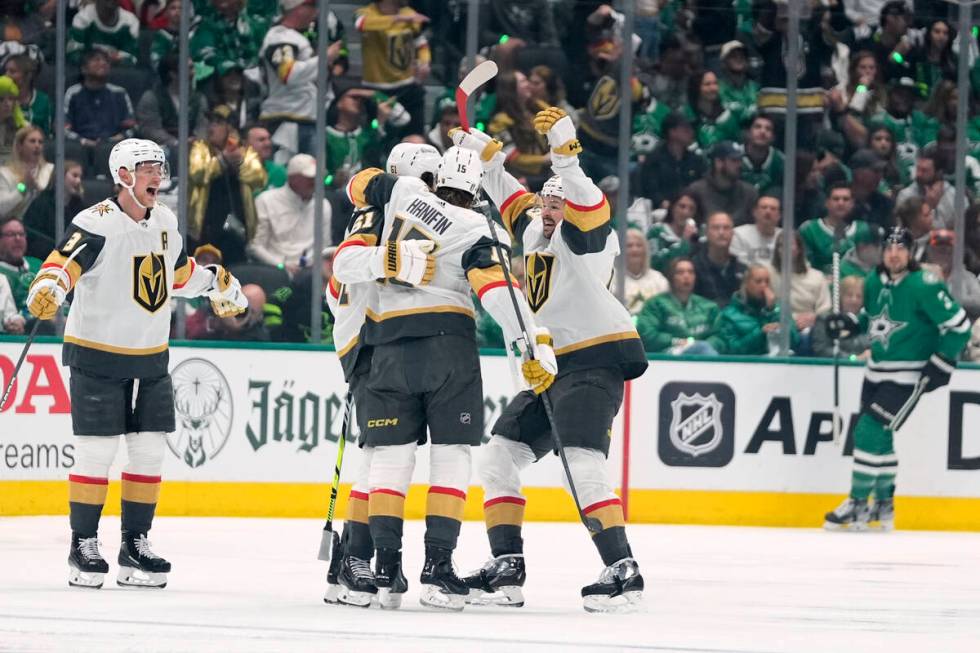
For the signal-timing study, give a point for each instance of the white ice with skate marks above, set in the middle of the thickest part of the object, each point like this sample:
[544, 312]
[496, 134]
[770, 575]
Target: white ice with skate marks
[255, 585]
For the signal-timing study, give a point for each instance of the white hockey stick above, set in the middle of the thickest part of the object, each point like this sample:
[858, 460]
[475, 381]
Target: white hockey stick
[476, 78]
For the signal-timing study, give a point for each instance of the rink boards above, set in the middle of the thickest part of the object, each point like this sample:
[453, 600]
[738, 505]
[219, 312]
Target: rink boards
[704, 441]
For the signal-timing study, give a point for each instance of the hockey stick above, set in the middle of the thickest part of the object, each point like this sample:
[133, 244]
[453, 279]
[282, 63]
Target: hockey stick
[835, 283]
[473, 80]
[591, 523]
[30, 337]
[328, 536]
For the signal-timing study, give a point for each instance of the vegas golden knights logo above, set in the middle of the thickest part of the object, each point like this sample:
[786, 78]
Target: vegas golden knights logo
[604, 101]
[538, 269]
[150, 281]
[400, 49]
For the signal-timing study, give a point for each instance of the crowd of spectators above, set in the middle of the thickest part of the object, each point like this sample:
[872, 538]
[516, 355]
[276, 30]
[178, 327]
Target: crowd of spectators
[876, 141]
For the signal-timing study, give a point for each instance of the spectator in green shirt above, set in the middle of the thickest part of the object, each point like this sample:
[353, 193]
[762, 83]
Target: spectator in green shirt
[675, 236]
[762, 164]
[678, 321]
[738, 90]
[15, 265]
[750, 325]
[102, 25]
[227, 38]
[818, 234]
[712, 122]
[34, 103]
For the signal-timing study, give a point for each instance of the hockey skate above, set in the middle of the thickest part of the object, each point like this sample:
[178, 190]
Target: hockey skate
[139, 566]
[881, 516]
[619, 588]
[87, 567]
[441, 587]
[851, 515]
[357, 587]
[389, 579]
[333, 585]
[498, 582]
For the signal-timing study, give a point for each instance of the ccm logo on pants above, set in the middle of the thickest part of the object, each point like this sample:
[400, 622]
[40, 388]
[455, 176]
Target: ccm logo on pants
[381, 423]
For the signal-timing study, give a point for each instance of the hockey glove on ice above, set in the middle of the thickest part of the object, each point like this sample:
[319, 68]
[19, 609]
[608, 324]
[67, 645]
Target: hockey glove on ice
[937, 371]
[408, 261]
[560, 130]
[47, 293]
[227, 298]
[540, 371]
[841, 325]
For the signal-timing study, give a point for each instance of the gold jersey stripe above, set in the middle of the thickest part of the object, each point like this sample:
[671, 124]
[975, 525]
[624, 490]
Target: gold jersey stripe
[357, 186]
[357, 509]
[114, 349]
[183, 273]
[346, 348]
[587, 218]
[503, 514]
[480, 278]
[591, 342]
[73, 269]
[444, 505]
[515, 208]
[382, 504]
[375, 317]
[89, 493]
[609, 516]
[140, 492]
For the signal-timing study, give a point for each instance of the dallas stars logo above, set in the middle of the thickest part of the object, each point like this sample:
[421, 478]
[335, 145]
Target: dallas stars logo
[882, 327]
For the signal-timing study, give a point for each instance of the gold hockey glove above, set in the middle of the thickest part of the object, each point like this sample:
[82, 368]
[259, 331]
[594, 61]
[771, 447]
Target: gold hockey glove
[560, 131]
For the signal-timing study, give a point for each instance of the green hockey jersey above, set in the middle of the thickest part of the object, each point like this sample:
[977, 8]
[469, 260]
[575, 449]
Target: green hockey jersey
[910, 319]
[88, 32]
[818, 241]
[768, 174]
[664, 245]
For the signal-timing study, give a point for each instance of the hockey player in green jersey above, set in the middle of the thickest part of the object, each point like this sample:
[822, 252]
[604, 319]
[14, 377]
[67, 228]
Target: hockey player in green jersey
[917, 330]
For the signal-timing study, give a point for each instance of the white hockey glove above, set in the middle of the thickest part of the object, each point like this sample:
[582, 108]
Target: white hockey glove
[47, 293]
[540, 371]
[489, 148]
[560, 131]
[227, 298]
[407, 261]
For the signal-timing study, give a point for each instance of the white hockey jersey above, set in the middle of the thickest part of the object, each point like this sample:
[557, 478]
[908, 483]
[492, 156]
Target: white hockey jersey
[289, 66]
[119, 321]
[349, 304]
[466, 262]
[568, 275]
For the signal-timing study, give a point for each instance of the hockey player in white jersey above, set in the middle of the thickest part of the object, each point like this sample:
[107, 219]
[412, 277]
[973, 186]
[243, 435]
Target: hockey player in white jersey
[570, 249]
[129, 263]
[350, 580]
[289, 68]
[430, 252]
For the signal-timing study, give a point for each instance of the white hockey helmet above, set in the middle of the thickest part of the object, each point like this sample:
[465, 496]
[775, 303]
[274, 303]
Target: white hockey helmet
[131, 152]
[553, 188]
[460, 169]
[413, 160]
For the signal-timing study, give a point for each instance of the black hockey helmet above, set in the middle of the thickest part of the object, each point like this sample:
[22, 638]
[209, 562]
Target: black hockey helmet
[900, 236]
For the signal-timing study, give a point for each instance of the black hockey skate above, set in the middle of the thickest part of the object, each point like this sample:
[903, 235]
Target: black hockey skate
[357, 582]
[851, 515]
[139, 566]
[87, 567]
[389, 579]
[619, 588]
[333, 585]
[498, 582]
[441, 587]
[881, 516]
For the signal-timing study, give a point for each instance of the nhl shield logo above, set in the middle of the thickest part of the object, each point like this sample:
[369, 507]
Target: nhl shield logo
[150, 288]
[538, 270]
[202, 398]
[695, 425]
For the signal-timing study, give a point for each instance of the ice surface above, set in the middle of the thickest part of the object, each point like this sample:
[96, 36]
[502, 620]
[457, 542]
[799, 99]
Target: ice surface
[255, 585]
